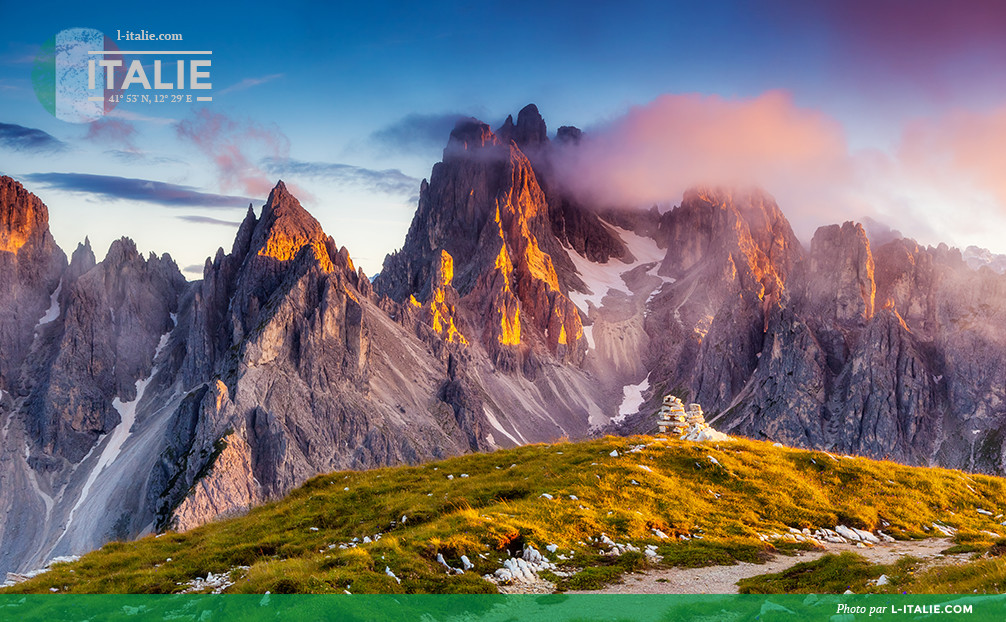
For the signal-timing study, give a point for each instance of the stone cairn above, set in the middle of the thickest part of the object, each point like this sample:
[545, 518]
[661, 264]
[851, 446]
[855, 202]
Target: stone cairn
[688, 424]
[673, 419]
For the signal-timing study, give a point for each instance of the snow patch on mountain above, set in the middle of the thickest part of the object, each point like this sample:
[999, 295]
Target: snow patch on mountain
[632, 399]
[494, 422]
[118, 436]
[53, 311]
[602, 278]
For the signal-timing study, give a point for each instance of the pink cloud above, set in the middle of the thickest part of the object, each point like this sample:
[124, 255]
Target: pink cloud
[654, 152]
[956, 161]
[943, 182]
[113, 132]
[961, 148]
[233, 146]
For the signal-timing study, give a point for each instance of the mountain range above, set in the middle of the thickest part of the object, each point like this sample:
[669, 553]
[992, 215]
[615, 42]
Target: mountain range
[134, 401]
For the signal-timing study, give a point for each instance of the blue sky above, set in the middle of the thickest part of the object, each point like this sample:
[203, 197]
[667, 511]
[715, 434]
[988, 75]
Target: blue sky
[351, 103]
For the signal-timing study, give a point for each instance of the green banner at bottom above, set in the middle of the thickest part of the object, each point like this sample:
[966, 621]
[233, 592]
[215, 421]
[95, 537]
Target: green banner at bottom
[458, 608]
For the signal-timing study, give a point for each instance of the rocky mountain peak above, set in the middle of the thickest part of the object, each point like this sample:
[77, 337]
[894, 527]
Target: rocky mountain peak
[31, 266]
[530, 132]
[736, 226]
[81, 261]
[23, 216]
[568, 135]
[285, 227]
[841, 272]
[469, 136]
[121, 252]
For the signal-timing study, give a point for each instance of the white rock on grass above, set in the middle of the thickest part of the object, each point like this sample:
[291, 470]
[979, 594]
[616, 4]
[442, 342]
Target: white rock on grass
[944, 529]
[847, 533]
[532, 555]
[387, 571]
[614, 453]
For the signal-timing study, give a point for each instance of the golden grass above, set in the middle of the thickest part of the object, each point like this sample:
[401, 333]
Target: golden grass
[725, 493]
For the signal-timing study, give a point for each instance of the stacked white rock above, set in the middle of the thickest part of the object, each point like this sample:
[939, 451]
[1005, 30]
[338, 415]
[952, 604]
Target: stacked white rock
[688, 425]
[694, 416]
[672, 419]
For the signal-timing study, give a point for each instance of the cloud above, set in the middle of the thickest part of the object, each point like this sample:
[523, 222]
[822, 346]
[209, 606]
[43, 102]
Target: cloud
[196, 268]
[113, 132]
[232, 146]
[148, 157]
[21, 138]
[390, 181]
[957, 156]
[247, 83]
[654, 152]
[942, 181]
[129, 115]
[417, 133]
[206, 220]
[125, 188]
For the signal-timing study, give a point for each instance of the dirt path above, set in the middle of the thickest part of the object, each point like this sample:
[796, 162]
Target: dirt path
[723, 579]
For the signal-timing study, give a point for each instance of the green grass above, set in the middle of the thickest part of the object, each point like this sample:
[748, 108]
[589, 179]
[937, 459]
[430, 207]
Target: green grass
[698, 553]
[752, 488]
[832, 574]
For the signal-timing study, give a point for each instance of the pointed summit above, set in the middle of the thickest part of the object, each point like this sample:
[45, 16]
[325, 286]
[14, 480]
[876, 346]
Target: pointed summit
[468, 136]
[568, 135]
[531, 131]
[286, 227]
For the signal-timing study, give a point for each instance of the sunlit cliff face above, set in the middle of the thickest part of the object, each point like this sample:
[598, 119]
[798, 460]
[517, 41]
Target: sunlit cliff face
[440, 310]
[510, 327]
[22, 215]
[292, 229]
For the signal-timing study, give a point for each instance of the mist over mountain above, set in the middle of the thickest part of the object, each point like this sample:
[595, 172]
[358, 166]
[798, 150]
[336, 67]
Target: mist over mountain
[515, 312]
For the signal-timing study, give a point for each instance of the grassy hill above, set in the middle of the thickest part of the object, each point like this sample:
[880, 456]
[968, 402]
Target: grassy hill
[714, 502]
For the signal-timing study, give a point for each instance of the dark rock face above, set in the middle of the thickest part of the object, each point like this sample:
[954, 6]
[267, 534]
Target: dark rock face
[530, 132]
[294, 357]
[888, 352]
[30, 268]
[111, 318]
